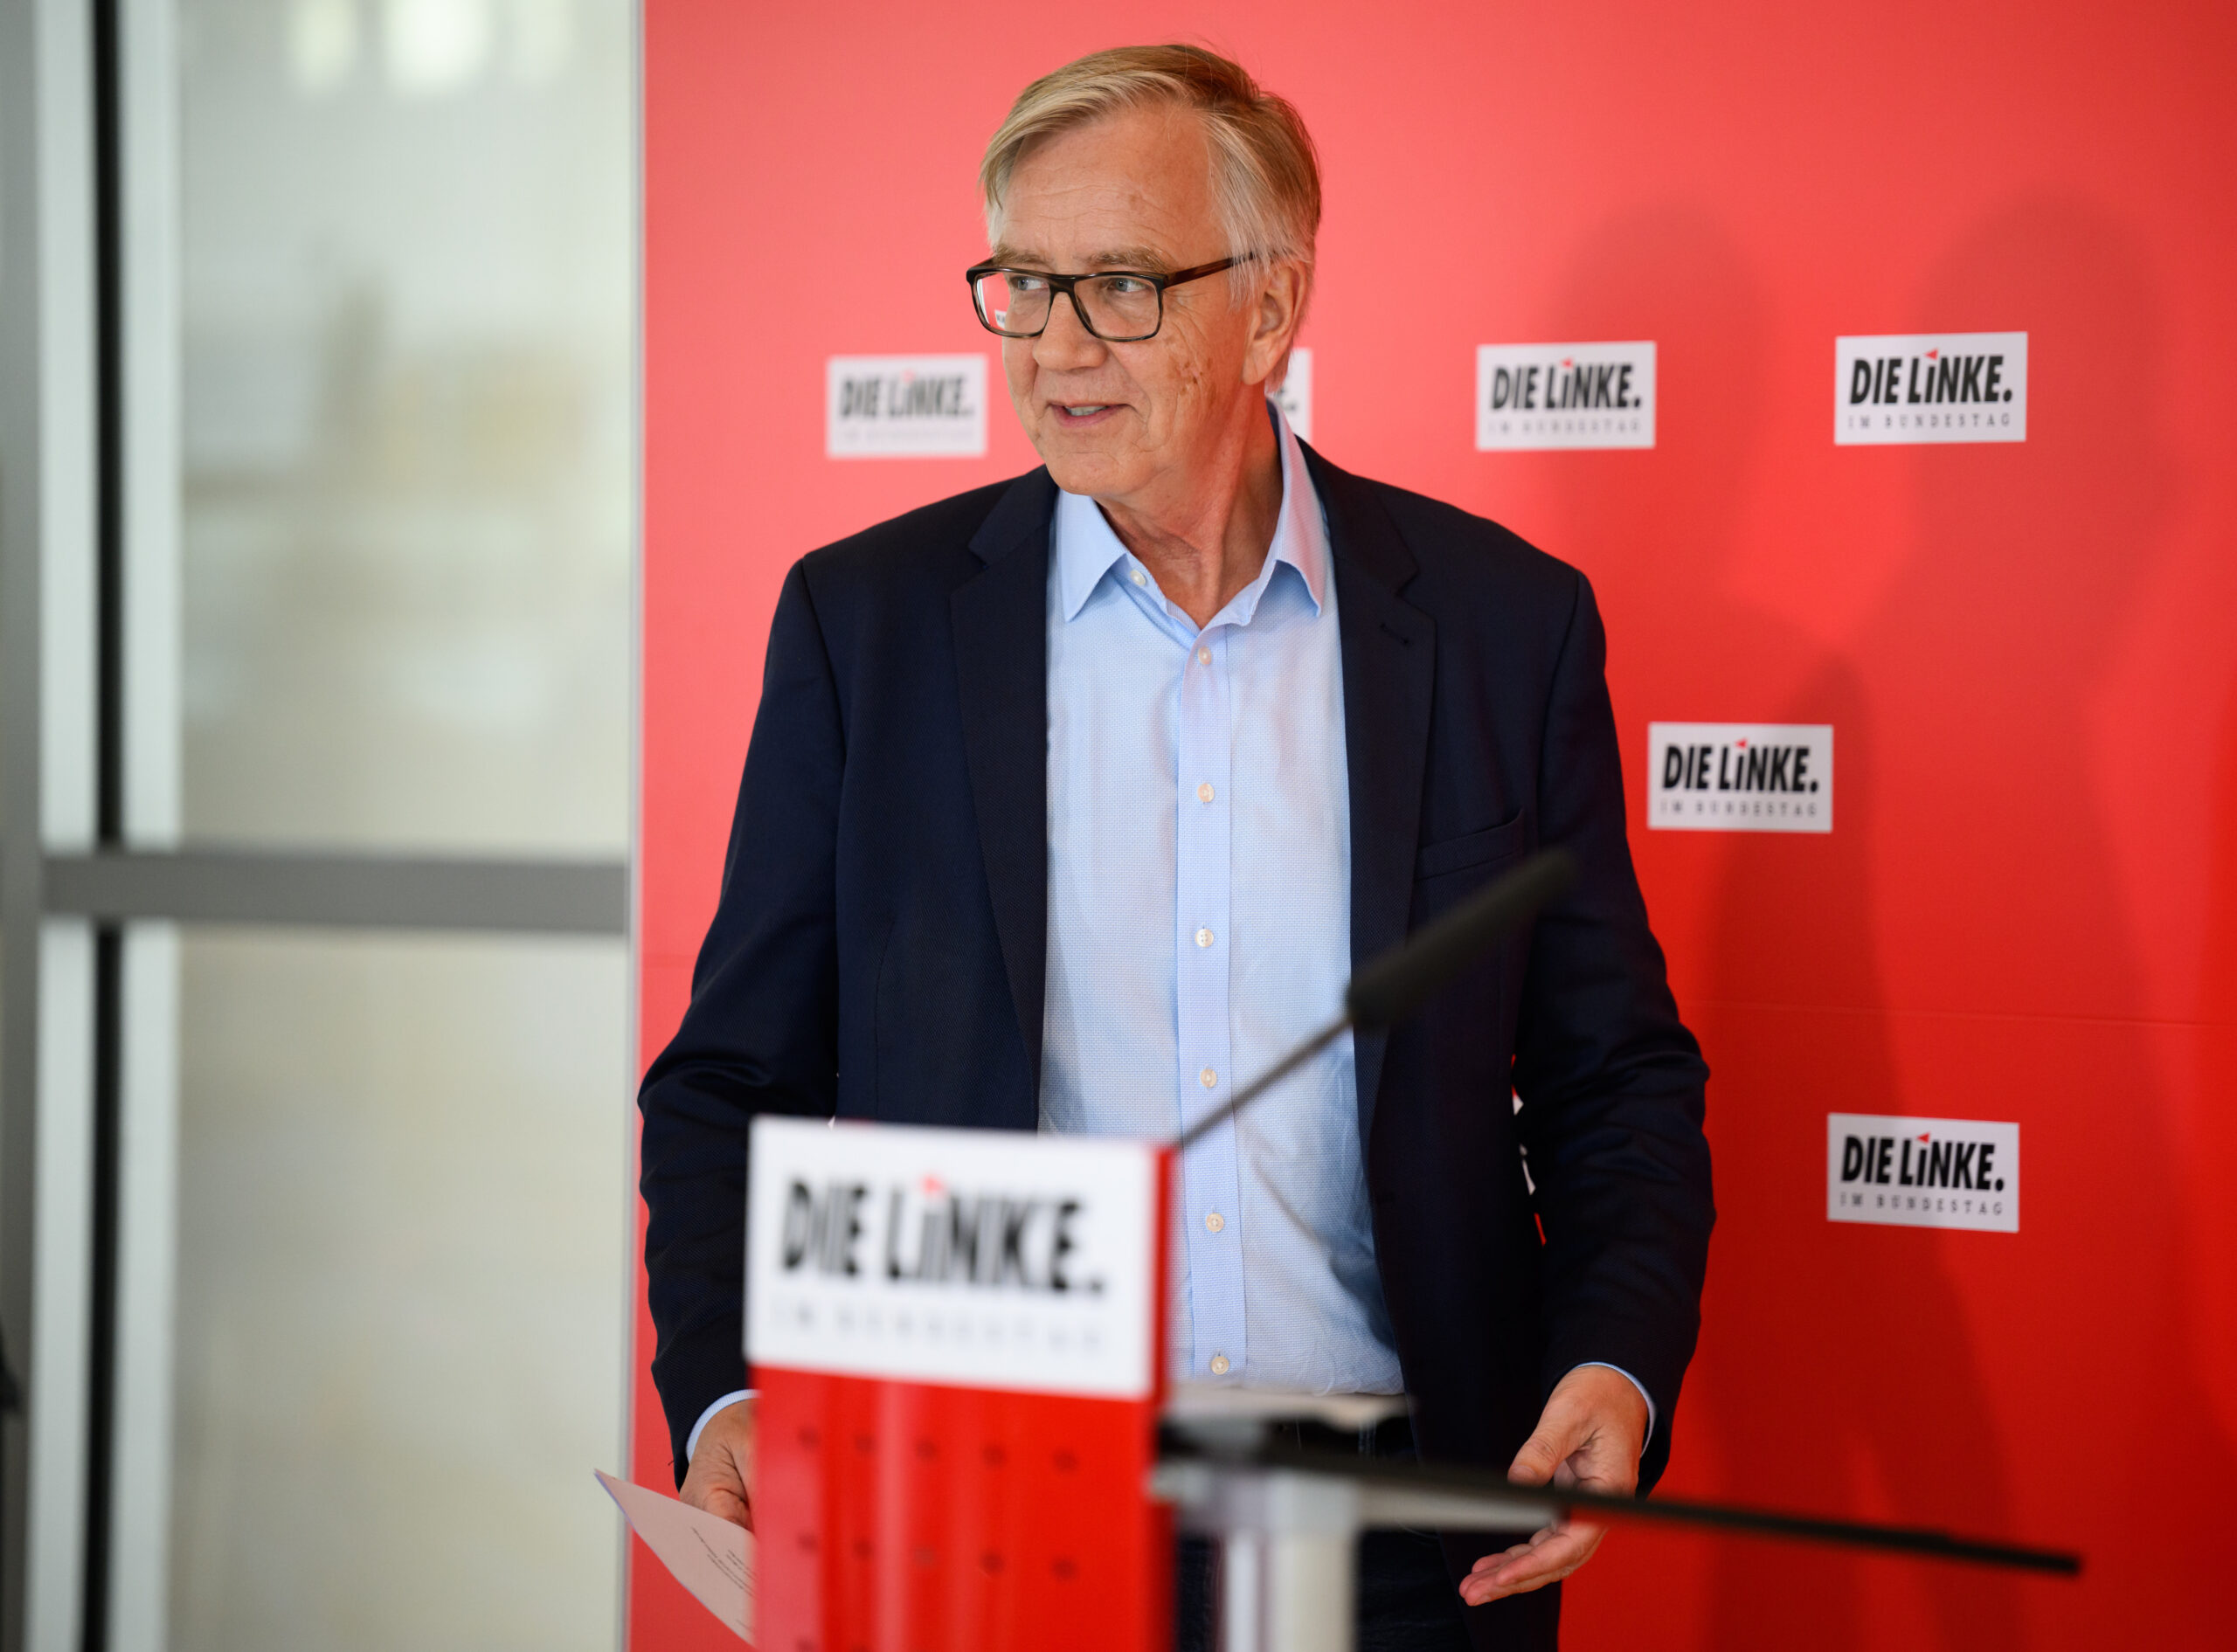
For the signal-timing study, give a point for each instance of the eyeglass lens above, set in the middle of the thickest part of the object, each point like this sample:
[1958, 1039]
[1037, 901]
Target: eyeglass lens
[1118, 306]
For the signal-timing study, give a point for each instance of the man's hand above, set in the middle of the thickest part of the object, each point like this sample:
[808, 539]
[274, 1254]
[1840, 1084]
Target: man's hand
[1591, 1435]
[722, 1465]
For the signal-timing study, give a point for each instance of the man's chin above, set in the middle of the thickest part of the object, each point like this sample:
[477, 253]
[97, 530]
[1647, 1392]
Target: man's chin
[1087, 472]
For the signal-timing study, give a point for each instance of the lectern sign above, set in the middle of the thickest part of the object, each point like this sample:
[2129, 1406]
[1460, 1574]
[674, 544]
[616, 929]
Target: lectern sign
[956, 1337]
[982, 1257]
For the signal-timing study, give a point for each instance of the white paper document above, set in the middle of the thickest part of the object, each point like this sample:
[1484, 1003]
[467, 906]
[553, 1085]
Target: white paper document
[707, 1555]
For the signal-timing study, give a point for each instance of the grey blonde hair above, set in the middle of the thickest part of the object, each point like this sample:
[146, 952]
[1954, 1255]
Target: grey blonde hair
[1265, 176]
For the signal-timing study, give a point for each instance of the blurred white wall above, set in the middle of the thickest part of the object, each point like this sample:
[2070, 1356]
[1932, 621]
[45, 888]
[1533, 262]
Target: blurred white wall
[407, 303]
[407, 251]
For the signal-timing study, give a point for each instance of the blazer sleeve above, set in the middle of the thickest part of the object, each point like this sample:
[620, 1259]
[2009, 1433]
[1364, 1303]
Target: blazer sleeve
[1610, 1081]
[760, 1035]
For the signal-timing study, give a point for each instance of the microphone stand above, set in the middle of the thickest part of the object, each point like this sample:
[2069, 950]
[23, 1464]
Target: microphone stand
[1287, 1519]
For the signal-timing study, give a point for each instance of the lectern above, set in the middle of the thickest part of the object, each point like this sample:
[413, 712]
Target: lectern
[958, 1336]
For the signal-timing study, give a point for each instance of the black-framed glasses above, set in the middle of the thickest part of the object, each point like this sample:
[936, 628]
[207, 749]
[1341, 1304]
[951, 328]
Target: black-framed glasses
[1118, 306]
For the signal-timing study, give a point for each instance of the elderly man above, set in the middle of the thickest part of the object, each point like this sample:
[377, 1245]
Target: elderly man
[1073, 801]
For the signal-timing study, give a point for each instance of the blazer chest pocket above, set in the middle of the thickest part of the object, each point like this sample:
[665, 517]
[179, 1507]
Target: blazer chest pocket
[1471, 851]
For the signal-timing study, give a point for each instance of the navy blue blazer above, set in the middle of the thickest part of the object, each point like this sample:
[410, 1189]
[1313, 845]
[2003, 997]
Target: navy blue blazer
[879, 946]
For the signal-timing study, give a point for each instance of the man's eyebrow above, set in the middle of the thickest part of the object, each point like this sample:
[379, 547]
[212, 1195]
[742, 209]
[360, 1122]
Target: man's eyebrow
[1147, 259]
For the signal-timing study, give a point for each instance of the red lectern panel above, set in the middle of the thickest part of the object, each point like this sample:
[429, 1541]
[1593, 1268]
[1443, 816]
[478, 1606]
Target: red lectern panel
[956, 1335]
[906, 1517]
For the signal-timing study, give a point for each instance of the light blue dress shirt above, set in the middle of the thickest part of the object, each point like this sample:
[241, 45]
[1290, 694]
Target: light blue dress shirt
[1200, 894]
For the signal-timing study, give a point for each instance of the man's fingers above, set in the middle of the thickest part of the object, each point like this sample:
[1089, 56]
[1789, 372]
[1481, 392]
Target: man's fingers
[722, 1465]
[1548, 1557]
[1557, 1435]
[728, 1505]
[1588, 1436]
[717, 1484]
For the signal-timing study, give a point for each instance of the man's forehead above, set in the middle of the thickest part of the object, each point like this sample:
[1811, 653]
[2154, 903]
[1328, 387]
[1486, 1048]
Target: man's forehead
[1131, 191]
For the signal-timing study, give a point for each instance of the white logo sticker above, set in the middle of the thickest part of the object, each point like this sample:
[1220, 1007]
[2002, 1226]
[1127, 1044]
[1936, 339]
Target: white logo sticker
[1740, 777]
[986, 1259]
[1564, 396]
[1295, 397]
[906, 406]
[1922, 1172]
[1929, 387]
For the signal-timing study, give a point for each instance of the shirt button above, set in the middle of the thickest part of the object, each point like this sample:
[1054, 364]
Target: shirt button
[1220, 1366]
[1203, 937]
[1208, 1078]
[1213, 1222]
[1139, 577]
[1204, 656]
[1204, 793]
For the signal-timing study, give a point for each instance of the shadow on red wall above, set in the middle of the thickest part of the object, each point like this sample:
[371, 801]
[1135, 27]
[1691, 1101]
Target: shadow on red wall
[1788, 996]
[2017, 946]
[1908, 1366]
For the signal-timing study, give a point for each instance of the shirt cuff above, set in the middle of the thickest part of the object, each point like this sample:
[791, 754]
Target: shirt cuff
[1618, 1370]
[691, 1442]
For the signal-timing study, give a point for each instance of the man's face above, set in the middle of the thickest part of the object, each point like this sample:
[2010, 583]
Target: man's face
[1131, 192]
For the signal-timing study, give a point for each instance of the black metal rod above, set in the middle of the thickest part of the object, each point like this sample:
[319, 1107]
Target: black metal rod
[107, 52]
[1924, 1542]
[107, 48]
[101, 1286]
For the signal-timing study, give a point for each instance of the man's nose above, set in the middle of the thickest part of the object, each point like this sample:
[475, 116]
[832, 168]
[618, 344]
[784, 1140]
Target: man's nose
[1065, 343]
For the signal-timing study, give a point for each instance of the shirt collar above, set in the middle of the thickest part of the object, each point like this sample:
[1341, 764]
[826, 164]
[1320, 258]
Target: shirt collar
[1087, 549]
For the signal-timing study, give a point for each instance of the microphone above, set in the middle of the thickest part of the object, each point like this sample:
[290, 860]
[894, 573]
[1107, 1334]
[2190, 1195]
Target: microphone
[1389, 988]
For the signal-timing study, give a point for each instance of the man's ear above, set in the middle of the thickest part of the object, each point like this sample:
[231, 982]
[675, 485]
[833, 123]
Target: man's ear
[1280, 307]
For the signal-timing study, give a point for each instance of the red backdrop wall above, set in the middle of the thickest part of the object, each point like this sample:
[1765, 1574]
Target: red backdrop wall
[2028, 909]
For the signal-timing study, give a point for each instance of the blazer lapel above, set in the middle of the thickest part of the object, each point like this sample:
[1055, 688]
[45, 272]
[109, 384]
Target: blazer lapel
[1389, 655]
[1001, 667]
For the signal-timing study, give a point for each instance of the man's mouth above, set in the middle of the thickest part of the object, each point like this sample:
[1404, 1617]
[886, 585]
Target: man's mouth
[1080, 412]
